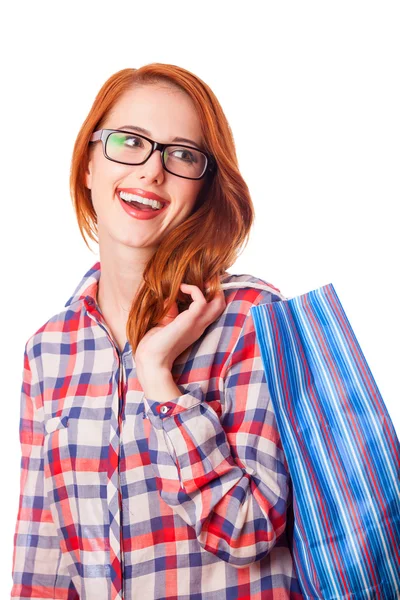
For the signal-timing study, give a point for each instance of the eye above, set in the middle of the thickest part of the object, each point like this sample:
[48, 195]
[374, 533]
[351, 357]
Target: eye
[133, 142]
[184, 154]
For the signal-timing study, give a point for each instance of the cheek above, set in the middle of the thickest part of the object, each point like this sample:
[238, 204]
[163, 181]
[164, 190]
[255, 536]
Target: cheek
[105, 180]
[190, 193]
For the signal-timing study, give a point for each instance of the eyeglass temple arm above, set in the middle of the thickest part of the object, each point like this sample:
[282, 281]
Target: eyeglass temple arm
[96, 136]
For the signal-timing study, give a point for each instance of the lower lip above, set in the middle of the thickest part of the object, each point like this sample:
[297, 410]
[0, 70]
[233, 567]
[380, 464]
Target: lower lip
[141, 214]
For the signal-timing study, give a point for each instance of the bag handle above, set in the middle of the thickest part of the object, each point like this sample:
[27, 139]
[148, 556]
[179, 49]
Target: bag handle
[258, 286]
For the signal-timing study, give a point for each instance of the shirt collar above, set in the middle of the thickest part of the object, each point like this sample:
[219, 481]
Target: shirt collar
[87, 285]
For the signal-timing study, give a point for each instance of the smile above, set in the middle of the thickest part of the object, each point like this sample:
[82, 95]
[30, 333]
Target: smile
[136, 208]
[135, 199]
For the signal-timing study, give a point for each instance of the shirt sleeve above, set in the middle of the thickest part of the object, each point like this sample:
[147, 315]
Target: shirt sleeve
[224, 474]
[38, 570]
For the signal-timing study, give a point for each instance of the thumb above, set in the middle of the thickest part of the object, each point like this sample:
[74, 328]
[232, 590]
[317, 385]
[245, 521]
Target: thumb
[172, 313]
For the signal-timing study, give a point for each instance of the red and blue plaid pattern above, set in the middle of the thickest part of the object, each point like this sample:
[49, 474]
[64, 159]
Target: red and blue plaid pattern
[121, 500]
[341, 446]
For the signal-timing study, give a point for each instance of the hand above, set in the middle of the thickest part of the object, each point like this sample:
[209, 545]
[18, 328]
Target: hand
[177, 331]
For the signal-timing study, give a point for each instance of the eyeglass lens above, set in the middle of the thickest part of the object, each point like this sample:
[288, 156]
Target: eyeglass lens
[133, 149]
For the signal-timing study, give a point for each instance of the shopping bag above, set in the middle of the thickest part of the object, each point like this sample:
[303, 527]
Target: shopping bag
[341, 447]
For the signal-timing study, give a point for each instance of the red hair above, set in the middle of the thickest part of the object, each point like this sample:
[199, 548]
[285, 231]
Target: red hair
[201, 248]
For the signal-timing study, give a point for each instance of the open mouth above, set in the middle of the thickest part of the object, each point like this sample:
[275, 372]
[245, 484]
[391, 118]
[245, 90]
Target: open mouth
[154, 206]
[137, 210]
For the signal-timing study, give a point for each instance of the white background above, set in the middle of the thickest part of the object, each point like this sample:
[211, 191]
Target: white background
[311, 91]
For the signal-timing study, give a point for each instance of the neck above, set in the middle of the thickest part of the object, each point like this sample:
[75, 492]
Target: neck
[120, 279]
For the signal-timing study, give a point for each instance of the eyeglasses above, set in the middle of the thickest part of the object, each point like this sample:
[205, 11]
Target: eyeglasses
[130, 148]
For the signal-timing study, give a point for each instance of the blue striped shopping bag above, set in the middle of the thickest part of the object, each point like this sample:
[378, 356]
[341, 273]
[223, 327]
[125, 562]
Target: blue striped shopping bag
[341, 447]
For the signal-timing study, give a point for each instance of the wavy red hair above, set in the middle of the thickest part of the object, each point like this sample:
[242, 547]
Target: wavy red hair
[209, 241]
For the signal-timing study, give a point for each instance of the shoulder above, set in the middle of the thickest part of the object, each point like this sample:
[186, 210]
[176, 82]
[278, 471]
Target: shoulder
[238, 337]
[242, 292]
[52, 330]
[249, 290]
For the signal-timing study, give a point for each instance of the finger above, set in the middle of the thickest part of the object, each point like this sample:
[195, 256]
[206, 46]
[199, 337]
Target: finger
[195, 292]
[218, 302]
[173, 311]
[190, 289]
[171, 315]
[166, 320]
[208, 311]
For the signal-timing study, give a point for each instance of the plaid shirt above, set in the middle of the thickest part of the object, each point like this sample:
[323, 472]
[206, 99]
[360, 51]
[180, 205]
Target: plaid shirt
[125, 497]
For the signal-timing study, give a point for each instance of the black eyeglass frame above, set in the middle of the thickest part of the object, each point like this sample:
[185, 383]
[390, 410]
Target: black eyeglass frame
[103, 135]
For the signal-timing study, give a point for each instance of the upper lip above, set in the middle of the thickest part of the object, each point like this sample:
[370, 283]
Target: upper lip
[144, 194]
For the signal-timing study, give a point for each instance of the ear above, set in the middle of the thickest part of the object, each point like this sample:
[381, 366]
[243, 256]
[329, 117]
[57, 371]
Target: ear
[88, 175]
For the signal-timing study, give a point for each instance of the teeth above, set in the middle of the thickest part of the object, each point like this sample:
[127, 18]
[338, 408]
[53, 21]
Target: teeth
[132, 197]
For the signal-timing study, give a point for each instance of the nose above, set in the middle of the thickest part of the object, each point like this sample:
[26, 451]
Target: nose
[153, 167]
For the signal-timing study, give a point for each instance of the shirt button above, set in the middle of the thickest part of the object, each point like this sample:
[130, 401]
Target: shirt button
[164, 409]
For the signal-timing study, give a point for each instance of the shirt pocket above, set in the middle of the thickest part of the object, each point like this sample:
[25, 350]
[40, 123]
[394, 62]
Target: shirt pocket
[55, 423]
[58, 470]
[57, 458]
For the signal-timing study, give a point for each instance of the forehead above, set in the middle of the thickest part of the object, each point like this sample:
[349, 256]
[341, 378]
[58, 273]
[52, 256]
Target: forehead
[165, 111]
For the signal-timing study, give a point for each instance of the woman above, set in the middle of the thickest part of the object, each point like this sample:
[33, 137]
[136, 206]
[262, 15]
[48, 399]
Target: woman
[151, 461]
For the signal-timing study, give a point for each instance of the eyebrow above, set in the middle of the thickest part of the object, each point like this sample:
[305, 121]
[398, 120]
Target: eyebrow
[148, 133]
